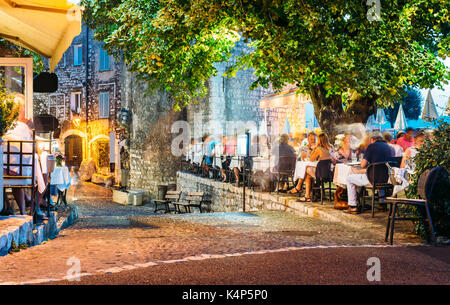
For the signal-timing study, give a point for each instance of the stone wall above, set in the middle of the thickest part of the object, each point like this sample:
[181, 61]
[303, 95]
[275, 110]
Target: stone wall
[151, 160]
[229, 101]
[226, 197]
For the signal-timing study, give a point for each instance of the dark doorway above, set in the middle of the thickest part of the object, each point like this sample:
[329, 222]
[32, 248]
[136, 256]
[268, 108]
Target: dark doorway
[74, 150]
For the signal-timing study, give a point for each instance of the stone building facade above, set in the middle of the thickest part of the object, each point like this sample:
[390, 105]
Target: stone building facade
[86, 103]
[89, 130]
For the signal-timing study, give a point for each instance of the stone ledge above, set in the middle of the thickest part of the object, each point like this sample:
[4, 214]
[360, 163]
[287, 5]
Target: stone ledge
[227, 197]
[17, 228]
[20, 229]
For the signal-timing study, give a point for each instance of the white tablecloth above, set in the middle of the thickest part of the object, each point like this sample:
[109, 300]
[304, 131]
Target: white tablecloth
[300, 168]
[217, 161]
[61, 178]
[197, 158]
[341, 172]
[401, 179]
[235, 162]
[261, 164]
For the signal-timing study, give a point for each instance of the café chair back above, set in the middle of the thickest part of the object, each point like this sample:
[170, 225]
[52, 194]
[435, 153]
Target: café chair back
[378, 176]
[285, 171]
[324, 174]
[425, 188]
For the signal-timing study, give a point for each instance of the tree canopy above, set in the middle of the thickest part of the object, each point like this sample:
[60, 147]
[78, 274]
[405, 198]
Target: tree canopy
[332, 50]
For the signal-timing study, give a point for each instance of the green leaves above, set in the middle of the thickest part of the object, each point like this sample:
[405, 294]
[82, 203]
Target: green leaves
[306, 43]
[9, 111]
[435, 152]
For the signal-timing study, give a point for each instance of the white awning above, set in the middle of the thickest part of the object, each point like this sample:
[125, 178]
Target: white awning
[46, 27]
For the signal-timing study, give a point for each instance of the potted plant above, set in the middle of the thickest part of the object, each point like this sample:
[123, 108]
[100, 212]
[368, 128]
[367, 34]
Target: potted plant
[9, 112]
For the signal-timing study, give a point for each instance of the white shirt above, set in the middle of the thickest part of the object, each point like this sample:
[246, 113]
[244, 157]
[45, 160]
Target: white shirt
[398, 150]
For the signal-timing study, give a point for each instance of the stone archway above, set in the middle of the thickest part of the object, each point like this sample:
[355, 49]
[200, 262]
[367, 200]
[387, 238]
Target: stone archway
[71, 132]
[99, 151]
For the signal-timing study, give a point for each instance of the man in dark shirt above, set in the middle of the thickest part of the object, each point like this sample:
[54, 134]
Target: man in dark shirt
[377, 151]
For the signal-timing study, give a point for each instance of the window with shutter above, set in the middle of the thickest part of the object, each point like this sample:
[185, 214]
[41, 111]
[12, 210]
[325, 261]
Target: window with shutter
[77, 55]
[104, 60]
[75, 102]
[104, 105]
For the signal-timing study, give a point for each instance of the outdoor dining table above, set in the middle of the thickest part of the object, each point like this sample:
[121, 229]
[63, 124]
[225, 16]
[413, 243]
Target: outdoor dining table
[300, 168]
[60, 178]
[343, 170]
[197, 158]
[261, 164]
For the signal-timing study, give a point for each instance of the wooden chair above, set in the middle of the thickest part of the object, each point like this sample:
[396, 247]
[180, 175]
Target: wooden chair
[285, 171]
[324, 175]
[14, 173]
[192, 200]
[170, 197]
[378, 176]
[396, 161]
[425, 187]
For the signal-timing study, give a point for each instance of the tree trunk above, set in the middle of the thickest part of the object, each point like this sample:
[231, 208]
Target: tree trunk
[331, 116]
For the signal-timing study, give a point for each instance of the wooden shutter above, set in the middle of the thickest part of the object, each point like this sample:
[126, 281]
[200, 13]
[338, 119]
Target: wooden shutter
[73, 103]
[77, 55]
[104, 60]
[104, 105]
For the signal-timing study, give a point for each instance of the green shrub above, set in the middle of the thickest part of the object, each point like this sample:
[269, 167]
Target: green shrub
[9, 111]
[434, 152]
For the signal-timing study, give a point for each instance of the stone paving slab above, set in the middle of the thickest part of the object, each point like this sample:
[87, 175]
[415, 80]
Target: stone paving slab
[111, 237]
[114, 242]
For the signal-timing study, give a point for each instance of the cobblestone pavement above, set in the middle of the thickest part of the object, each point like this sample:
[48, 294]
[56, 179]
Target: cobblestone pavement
[109, 235]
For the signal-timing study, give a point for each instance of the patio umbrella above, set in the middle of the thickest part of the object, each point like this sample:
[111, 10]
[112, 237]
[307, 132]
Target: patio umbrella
[371, 120]
[429, 110]
[46, 27]
[381, 117]
[287, 127]
[400, 121]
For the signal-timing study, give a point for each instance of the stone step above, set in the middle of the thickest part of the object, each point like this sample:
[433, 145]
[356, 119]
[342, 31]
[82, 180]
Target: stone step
[21, 230]
[17, 228]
